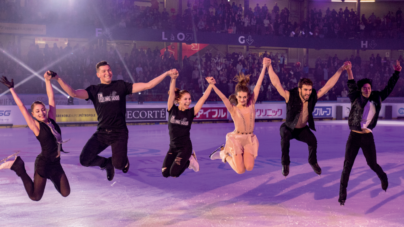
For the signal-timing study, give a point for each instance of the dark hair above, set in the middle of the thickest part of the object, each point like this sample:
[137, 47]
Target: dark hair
[242, 85]
[304, 81]
[101, 63]
[179, 93]
[36, 103]
[363, 82]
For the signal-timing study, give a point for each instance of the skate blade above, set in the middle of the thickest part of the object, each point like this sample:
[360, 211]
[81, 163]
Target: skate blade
[10, 156]
[219, 148]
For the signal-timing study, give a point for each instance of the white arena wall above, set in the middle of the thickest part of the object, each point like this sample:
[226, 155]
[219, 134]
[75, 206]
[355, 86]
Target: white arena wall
[10, 115]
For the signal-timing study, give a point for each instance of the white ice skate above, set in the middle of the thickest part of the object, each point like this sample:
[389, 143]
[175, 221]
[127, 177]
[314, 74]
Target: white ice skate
[194, 165]
[7, 163]
[216, 154]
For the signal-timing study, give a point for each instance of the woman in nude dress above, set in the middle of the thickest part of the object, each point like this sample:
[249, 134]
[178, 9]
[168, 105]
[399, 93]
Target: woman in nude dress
[241, 147]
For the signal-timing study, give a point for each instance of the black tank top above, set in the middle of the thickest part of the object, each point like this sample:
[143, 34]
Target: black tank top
[48, 141]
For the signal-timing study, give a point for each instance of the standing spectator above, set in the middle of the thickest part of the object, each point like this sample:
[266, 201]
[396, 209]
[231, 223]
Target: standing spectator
[378, 62]
[399, 13]
[239, 67]
[266, 24]
[358, 60]
[325, 69]
[344, 93]
[281, 61]
[275, 10]
[195, 76]
[372, 59]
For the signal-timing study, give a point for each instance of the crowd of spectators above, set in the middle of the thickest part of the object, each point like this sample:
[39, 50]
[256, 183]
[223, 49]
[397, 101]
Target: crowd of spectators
[377, 68]
[219, 16]
[77, 67]
[345, 23]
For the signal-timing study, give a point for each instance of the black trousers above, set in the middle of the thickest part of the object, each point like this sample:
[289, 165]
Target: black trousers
[43, 171]
[367, 143]
[101, 139]
[177, 160]
[301, 134]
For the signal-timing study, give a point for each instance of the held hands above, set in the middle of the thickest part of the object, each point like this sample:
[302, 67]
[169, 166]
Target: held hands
[397, 67]
[266, 62]
[347, 65]
[50, 75]
[173, 73]
[210, 80]
[9, 84]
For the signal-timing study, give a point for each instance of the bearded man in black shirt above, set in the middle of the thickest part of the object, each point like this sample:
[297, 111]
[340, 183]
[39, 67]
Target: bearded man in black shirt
[109, 99]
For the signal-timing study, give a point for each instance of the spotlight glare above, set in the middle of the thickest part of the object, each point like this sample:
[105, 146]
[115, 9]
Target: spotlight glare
[31, 71]
[114, 44]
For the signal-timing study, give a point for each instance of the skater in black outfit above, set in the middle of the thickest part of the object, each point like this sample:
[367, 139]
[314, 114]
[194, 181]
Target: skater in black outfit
[47, 163]
[365, 108]
[300, 103]
[109, 99]
[180, 156]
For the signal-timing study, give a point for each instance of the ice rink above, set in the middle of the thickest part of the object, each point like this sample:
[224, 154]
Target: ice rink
[215, 196]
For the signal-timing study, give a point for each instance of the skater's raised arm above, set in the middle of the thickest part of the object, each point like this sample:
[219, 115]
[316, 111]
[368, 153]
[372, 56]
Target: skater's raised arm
[205, 96]
[225, 100]
[28, 118]
[277, 83]
[51, 96]
[392, 82]
[79, 93]
[349, 71]
[332, 81]
[171, 92]
[265, 64]
[138, 87]
[353, 92]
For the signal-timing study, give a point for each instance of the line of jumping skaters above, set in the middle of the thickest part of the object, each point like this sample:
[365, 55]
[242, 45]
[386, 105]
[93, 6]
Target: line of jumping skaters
[241, 148]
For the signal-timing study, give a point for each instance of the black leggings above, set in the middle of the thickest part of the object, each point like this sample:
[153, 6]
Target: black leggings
[36, 188]
[301, 134]
[103, 138]
[367, 143]
[176, 160]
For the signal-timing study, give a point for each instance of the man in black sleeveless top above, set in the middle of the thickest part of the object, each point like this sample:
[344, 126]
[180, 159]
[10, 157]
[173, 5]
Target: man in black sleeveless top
[109, 99]
[300, 103]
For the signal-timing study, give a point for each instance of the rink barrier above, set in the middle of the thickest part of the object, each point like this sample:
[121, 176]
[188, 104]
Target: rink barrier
[84, 115]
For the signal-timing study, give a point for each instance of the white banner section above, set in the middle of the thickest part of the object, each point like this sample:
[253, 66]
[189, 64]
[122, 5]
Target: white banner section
[10, 115]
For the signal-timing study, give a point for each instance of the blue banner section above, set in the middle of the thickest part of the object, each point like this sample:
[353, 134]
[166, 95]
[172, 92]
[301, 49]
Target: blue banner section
[322, 112]
[401, 111]
[218, 38]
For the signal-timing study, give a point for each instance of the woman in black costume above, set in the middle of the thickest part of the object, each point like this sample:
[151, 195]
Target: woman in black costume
[47, 163]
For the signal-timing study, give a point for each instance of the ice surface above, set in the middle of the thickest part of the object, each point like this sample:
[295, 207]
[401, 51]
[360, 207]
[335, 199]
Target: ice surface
[215, 196]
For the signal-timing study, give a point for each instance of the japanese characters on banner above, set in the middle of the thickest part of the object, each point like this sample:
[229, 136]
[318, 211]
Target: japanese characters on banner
[212, 113]
[270, 111]
[322, 112]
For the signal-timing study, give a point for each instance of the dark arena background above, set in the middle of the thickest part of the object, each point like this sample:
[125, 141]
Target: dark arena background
[143, 39]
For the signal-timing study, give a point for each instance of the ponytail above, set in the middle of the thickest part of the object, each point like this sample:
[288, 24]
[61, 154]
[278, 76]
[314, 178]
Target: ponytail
[242, 85]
